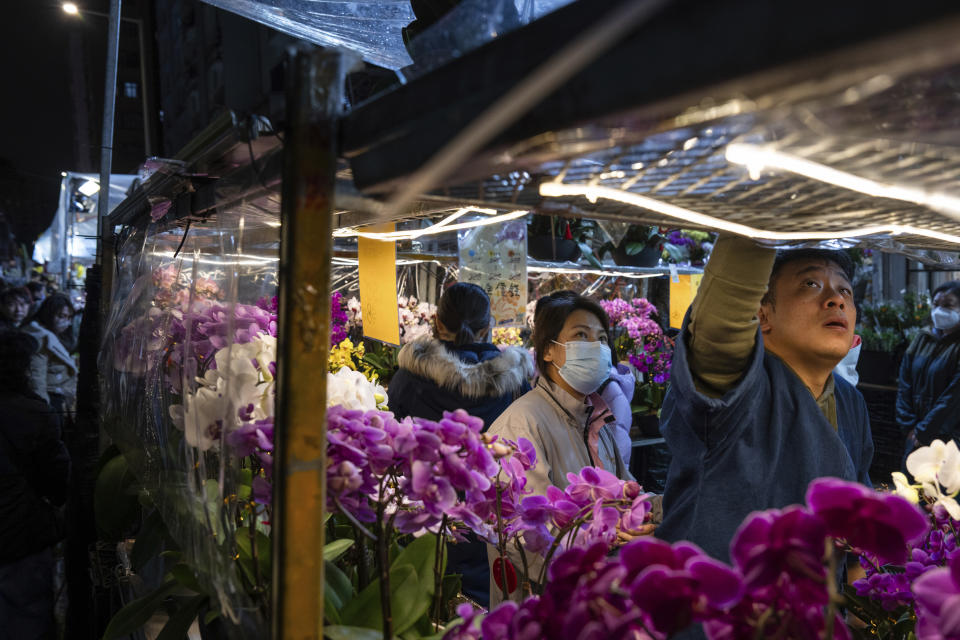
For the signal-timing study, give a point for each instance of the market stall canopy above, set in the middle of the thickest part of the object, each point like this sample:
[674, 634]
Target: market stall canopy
[375, 28]
[784, 121]
[72, 236]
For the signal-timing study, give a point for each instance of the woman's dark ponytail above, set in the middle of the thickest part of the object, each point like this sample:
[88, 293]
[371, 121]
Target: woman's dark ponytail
[464, 310]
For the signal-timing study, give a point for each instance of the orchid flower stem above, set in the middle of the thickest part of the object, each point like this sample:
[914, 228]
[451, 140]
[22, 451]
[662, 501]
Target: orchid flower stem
[253, 547]
[501, 543]
[356, 523]
[363, 564]
[573, 526]
[438, 574]
[526, 569]
[831, 609]
[383, 560]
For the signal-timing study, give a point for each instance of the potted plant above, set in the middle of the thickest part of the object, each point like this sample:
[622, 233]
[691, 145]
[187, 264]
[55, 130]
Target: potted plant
[639, 340]
[886, 329]
[640, 247]
[687, 246]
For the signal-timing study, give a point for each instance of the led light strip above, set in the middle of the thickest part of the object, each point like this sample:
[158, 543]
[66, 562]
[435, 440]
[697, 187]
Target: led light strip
[594, 272]
[756, 158]
[593, 193]
[441, 227]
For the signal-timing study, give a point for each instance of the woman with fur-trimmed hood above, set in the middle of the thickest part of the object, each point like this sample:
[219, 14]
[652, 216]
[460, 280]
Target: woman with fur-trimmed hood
[460, 369]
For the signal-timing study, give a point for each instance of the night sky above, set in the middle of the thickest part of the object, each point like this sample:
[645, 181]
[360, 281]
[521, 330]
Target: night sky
[37, 142]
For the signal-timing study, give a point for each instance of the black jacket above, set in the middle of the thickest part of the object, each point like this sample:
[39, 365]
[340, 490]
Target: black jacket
[928, 397]
[437, 376]
[34, 472]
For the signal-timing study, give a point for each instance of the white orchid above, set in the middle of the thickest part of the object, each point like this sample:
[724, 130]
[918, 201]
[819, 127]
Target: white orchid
[241, 383]
[352, 390]
[904, 489]
[936, 469]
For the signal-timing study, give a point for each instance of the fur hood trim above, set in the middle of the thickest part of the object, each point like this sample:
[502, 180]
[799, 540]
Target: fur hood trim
[505, 374]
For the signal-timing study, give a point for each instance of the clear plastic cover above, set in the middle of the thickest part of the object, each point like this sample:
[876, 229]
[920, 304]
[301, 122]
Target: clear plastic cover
[374, 28]
[188, 363]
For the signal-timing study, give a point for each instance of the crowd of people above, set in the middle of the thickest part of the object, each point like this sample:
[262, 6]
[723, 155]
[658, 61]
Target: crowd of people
[762, 397]
[38, 388]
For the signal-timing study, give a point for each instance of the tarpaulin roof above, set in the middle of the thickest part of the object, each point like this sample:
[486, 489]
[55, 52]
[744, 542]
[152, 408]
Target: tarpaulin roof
[373, 28]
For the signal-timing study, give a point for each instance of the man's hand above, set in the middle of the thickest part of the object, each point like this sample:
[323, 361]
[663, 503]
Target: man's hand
[623, 537]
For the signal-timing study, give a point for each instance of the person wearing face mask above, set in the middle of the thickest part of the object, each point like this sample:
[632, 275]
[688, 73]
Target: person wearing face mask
[563, 416]
[54, 319]
[928, 394]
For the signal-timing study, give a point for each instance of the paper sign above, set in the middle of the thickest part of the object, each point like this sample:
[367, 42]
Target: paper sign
[682, 290]
[378, 287]
[495, 258]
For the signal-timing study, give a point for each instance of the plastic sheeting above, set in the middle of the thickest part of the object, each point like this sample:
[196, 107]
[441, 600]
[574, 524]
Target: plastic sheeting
[373, 28]
[188, 362]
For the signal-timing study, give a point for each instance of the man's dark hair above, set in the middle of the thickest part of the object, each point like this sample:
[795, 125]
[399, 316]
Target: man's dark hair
[20, 293]
[16, 349]
[550, 315]
[786, 256]
[948, 287]
[464, 310]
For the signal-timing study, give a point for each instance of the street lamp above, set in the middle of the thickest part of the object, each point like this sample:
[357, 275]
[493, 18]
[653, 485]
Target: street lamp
[72, 9]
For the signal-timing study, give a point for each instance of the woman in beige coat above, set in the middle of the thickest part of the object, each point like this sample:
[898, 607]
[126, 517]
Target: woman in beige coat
[563, 416]
[53, 319]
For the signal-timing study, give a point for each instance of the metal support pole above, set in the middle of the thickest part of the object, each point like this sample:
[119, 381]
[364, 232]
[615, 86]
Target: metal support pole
[314, 99]
[145, 99]
[106, 138]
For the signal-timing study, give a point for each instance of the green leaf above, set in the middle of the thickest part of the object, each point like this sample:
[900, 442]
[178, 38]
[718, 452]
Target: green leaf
[421, 553]
[633, 248]
[115, 509]
[450, 587]
[135, 615]
[245, 553]
[179, 623]
[337, 582]
[331, 613]
[149, 541]
[409, 600]
[212, 615]
[336, 549]
[184, 574]
[339, 632]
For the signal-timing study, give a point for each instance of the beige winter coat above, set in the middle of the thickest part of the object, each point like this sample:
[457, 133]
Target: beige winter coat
[61, 369]
[554, 421]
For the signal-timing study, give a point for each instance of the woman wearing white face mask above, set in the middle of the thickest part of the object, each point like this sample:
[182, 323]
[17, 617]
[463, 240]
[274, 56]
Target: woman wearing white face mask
[563, 415]
[928, 398]
[51, 326]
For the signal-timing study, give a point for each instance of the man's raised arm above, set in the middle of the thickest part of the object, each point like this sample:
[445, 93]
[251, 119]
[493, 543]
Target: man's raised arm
[723, 317]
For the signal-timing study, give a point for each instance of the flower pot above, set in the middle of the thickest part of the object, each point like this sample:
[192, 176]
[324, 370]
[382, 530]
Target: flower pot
[649, 257]
[542, 248]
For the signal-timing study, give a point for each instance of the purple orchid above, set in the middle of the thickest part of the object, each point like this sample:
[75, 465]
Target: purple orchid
[938, 603]
[877, 523]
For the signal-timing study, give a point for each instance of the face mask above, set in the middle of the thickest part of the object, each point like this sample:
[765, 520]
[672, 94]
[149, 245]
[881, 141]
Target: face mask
[587, 365]
[945, 319]
[847, 369]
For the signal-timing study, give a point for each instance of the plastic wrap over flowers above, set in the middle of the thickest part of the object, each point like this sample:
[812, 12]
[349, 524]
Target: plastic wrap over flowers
[781, 583]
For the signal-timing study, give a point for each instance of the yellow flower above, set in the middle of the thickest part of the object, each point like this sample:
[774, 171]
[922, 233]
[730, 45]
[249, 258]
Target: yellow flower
[509, 336]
